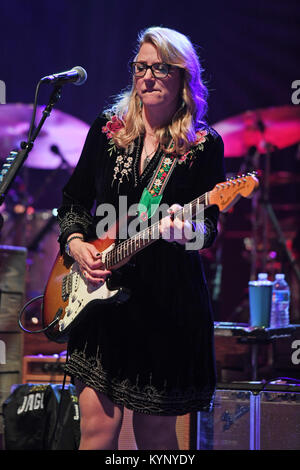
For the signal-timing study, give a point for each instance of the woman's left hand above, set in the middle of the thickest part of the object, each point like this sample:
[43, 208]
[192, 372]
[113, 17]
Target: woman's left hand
[176, 229]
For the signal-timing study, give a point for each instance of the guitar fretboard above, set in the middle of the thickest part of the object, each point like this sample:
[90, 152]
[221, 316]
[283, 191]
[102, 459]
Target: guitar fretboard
[149, 235]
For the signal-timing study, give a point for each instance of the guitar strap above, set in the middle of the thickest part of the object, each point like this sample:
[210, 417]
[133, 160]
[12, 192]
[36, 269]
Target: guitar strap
[153, 194]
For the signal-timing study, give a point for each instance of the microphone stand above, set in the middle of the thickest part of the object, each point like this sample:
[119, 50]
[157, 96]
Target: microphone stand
[16, 159]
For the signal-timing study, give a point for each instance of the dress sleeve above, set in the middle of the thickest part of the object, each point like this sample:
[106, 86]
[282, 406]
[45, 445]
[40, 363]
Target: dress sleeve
[214, 173]
[74, 214]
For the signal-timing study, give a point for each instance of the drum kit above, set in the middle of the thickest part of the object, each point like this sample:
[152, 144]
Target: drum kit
[256, 136]
[56, 149]
[263, 139]
[252, 137]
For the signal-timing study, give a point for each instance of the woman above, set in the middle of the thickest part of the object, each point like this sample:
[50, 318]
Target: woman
[154, 353]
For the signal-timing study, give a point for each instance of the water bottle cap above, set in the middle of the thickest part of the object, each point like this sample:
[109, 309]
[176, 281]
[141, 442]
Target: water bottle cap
[262, 276]
[279, 276]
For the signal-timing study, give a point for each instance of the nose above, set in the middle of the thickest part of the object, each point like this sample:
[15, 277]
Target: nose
[148, 75]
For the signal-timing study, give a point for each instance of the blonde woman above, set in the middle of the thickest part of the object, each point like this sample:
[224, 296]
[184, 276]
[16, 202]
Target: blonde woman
[154, 352]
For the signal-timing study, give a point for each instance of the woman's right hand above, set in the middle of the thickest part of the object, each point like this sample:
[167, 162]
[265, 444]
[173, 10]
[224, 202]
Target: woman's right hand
[89, 260]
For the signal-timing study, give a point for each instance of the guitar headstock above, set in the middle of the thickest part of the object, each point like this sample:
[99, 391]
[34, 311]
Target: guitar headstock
[226, 194]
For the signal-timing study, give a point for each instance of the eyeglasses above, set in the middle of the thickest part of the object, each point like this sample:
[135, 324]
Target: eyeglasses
[159, 69]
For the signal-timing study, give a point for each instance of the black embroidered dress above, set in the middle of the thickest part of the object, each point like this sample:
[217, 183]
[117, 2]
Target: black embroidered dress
[154, 353]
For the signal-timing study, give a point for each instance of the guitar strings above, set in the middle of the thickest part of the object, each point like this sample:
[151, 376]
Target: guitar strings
[112, 257]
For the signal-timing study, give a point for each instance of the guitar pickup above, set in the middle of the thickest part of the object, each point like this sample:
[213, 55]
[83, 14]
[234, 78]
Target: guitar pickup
[66, 287]
[70, 283]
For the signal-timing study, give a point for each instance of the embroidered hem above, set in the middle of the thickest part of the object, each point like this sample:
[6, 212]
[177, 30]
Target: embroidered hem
[147, 399]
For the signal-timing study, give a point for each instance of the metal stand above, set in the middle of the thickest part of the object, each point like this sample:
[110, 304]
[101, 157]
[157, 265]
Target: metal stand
[268, 212]
[16, 160]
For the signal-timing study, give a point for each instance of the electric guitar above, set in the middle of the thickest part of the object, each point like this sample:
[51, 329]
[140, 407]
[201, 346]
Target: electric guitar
[68, 294]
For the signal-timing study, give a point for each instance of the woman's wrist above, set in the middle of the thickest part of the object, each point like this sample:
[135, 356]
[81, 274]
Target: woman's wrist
[74, 236]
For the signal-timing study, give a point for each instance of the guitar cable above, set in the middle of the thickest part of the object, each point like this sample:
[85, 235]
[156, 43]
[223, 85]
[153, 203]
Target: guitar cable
[23, 310]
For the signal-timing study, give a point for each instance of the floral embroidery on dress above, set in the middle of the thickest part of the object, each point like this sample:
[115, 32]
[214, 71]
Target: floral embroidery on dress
[201, 138]
[112, 126]
[124, 161]
[123, 167]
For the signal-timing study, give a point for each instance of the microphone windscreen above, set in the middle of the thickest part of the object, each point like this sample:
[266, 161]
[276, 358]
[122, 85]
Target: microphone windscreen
[82, 75]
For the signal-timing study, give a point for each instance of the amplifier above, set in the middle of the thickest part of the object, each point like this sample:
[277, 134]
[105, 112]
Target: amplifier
[12, 289]
[252, 416]
[44, 369]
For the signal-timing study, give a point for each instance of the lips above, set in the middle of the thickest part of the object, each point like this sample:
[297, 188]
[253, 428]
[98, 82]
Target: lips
[149, 91]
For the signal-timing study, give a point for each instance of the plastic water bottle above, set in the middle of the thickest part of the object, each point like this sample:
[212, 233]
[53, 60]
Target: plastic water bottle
[280, 315]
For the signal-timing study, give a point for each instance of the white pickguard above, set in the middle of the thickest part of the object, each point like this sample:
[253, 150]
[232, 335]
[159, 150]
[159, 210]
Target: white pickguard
[82, 293]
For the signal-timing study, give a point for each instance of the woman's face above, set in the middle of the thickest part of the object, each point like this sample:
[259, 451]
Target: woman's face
[162, 93]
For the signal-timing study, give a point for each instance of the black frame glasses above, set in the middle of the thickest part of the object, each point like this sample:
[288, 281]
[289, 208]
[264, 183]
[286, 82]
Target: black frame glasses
[159, 69]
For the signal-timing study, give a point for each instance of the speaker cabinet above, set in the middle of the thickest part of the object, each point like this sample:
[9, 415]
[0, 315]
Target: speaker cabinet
[12, 289]
[280, 420]
[252, 419]
[44, 369]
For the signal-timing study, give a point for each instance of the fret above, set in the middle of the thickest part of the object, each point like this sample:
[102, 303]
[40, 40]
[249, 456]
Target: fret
[107, 260]
[152, 232]
[156, 234]
[119, 252]
[186, 213]
[135, 245]
[130, 246]
[190, 209]
[114, 256]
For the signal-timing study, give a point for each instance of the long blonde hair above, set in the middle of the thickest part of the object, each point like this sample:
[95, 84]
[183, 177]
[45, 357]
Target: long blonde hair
[176, 49]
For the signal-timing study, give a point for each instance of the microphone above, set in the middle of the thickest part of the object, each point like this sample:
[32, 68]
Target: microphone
[76, 75]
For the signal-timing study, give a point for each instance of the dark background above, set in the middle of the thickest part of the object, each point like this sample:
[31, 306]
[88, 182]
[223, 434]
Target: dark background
[250, 49]
[250, 52]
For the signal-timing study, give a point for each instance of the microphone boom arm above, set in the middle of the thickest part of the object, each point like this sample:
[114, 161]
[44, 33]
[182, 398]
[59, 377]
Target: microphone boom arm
[15, 160]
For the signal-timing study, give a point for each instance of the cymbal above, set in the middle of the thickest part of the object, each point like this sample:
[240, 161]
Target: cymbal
[279, 127]
[67, 133]
[284, 177]
[293, 207]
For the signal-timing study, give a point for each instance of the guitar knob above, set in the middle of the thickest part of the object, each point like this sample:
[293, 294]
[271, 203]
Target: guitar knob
[68, 311]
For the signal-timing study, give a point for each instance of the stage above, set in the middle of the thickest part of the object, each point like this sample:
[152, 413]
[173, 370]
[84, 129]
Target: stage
[249, 53]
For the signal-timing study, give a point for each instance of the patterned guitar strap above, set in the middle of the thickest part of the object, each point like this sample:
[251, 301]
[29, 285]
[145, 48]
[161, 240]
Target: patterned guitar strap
[153, 194]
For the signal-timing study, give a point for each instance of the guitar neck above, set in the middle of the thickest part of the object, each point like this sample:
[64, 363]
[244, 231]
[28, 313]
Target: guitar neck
[129, 247]
[125, 249]
[223, 195]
